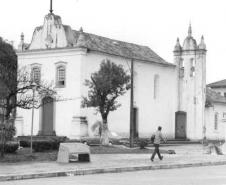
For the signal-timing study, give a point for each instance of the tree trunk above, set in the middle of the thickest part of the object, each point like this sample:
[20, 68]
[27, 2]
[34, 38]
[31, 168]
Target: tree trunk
[3, 134]
[3, 140]
[104, 134]
[2, 143]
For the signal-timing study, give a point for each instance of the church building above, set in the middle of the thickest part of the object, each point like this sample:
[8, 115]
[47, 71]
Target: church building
[173, 95]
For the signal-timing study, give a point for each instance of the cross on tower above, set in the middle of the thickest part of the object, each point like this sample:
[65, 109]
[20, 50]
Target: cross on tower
[51, 7]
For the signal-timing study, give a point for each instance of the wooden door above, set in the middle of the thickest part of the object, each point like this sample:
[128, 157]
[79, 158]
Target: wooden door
[181, 120]
[135, 122]
[47, 117]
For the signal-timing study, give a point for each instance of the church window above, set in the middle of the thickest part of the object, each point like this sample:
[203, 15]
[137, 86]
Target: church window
[192, 64]
[181, 72]
[216, 121]
[156, 86]
[195, 100]
[36, 73]
[60, 74]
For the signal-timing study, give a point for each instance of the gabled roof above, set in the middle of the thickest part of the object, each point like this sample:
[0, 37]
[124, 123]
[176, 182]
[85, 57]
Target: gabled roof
[213, 97]
[120, 48]
[218, 84]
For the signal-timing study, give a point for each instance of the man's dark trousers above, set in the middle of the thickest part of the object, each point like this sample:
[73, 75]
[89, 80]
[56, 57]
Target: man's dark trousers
[156, 151]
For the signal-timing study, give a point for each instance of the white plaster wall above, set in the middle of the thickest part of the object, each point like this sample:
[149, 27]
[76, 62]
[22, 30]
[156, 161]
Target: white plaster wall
[151, 112]
[64, 110]
[159, 111]
[200, 77]
[118, 120]
[211, 133]
[192, 92]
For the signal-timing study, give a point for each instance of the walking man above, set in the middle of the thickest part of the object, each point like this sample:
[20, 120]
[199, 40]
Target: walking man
[157, 140]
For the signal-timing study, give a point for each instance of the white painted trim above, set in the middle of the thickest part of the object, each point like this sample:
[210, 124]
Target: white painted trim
[58, 51]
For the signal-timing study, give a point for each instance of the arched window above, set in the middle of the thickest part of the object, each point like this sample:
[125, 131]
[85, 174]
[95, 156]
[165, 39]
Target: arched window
[36, 73]
[156, 86]
[60, 74]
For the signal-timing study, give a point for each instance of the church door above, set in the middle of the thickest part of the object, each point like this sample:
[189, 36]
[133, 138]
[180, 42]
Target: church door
[180, 130]
[135, 122]
[47, 117]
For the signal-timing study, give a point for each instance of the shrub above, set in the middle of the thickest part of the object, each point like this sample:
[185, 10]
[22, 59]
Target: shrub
[142, 143]
[11, 146]
[44, 145]
[24, 143]
[9, 131]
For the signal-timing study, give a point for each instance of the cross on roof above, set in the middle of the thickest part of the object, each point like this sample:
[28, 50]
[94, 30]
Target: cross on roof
[51, 7]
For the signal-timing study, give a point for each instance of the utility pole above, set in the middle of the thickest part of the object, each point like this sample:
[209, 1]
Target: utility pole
[131, 139]
[32, 118]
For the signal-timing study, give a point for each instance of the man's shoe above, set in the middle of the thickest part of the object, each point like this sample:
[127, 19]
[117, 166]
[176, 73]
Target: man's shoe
[161, 158]
[152, 160]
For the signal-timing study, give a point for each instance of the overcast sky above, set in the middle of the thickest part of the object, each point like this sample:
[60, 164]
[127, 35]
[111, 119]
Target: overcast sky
[155, 23]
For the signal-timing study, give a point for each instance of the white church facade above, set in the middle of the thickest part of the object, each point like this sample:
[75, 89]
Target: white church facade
[173, 95]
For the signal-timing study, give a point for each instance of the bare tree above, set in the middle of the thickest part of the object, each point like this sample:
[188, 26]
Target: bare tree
[22, 95]
[17, 91]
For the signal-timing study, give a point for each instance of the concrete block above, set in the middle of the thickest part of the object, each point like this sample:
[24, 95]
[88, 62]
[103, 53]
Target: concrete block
[73, 152]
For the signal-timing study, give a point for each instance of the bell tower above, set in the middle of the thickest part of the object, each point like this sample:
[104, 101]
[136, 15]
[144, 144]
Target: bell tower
[190, 60]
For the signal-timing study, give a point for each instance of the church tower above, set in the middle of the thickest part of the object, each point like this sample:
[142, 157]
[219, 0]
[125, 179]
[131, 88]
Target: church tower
[191, 77]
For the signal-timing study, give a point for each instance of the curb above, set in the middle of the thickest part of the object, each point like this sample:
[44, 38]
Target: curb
[105, 170]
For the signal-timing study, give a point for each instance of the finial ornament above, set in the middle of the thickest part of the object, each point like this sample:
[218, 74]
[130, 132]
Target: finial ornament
[81, 42]
[81, 29]
[177, 46]
[189, 30]
[202, 38]
[202, 44]
[51, 7]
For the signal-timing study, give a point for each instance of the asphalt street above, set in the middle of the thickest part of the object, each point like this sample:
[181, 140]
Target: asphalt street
[208, 175]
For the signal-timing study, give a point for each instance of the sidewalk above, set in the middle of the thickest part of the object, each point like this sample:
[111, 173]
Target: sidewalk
[186, 156]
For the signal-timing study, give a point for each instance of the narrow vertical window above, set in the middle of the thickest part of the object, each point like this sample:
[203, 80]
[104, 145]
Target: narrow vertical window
[60, 74]
[156, 86]
[216, 121]
[36, 73]
[192, 65]
[181, 72]
[182, 63]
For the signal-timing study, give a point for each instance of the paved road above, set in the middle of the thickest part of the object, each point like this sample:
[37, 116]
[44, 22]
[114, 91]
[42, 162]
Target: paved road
[187, 176]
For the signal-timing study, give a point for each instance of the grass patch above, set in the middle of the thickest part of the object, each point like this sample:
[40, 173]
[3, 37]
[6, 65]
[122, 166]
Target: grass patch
[23, 155]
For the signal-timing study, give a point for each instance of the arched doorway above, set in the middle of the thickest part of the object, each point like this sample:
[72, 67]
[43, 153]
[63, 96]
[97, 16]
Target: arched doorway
[47, 117]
